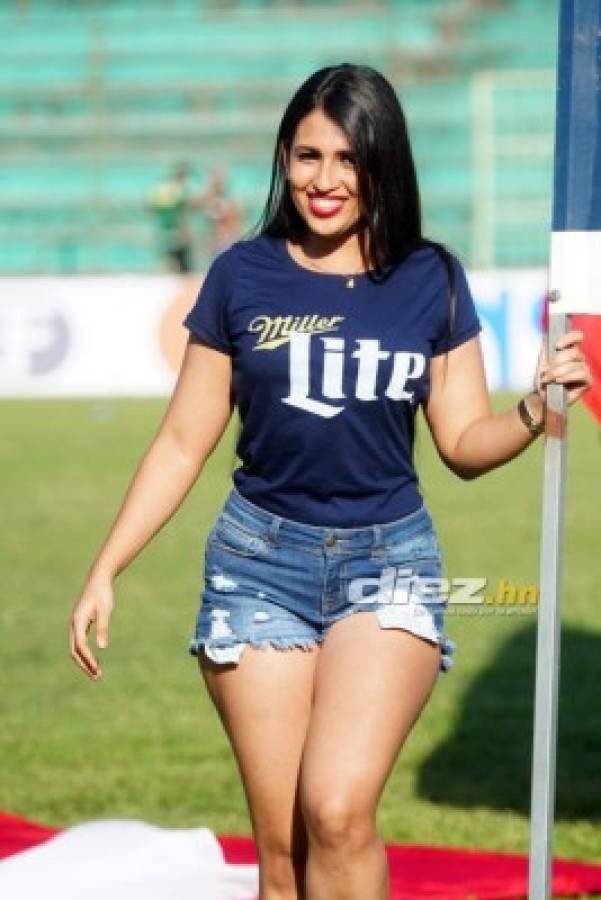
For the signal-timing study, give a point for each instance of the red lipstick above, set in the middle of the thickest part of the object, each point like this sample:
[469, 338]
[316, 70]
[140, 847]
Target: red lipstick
[325, 207]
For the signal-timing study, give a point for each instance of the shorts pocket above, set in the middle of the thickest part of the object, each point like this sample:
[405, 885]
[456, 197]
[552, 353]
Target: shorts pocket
[231, 536]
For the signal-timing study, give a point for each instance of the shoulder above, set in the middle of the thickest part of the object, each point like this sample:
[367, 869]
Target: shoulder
[440, 274]
[260, 249]
[259, 245]
[224, 259]
[222, 269]
[434, 262]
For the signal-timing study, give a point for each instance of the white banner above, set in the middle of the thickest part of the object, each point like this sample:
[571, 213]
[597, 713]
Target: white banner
[92, 335]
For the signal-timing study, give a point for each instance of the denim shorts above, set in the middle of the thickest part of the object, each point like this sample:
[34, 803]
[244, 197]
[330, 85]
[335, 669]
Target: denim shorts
[270, 580]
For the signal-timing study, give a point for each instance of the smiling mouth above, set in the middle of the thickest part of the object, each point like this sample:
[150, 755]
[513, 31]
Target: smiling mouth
[325, 206]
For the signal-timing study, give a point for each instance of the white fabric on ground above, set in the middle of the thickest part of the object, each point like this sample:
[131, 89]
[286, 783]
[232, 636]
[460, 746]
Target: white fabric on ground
[125, 859]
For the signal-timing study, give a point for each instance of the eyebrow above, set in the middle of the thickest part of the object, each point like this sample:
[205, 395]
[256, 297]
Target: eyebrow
[315, 149]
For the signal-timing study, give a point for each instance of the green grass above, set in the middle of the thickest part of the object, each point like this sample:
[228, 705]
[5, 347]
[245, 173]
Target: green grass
[146, 742]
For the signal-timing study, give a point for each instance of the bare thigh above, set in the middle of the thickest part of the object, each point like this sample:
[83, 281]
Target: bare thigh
[264, 703]
[370, 687]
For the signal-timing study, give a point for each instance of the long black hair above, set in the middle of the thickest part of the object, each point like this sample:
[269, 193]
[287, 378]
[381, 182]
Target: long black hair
[363, 103]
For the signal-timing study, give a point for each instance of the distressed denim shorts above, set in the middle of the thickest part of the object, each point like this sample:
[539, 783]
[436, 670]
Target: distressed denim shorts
[269, 580]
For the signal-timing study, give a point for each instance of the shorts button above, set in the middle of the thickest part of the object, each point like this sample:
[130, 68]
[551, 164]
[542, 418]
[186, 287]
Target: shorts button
[330, 540]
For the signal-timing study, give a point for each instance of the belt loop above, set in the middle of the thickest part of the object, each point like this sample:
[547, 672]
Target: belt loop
[378, 541]
[273, 529]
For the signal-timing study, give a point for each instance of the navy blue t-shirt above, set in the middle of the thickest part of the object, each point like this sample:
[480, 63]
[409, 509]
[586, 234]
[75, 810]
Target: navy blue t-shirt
[327, 378]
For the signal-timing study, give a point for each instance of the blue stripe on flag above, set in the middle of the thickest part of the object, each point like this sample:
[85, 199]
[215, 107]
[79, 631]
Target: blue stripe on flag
[577, 177]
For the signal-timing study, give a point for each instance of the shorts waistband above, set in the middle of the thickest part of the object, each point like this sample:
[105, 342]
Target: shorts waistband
[326, 536]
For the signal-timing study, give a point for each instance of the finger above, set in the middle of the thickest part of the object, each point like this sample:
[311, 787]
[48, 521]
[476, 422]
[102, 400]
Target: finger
[567, 355]
[576, 393]
[81, 646]
[93, 675]
[72, 649]
[574, 384]
[573, 352]
[569, 338]
[77, 659]
[567, 370]
[102, 630]
[563, 364]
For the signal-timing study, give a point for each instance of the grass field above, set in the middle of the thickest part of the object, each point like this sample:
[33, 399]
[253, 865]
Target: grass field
[145, 741]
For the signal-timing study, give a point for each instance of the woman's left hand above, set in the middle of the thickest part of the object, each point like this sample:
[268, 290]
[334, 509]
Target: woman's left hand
[568, 367]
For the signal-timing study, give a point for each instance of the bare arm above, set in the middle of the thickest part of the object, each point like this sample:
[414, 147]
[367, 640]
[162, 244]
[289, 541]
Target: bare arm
[470, 438]
[196, 417]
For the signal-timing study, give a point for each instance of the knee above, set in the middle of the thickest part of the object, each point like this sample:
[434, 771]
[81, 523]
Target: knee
[338, 822]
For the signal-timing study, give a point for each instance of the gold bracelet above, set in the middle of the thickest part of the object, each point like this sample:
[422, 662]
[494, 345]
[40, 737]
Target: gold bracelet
[528, 419]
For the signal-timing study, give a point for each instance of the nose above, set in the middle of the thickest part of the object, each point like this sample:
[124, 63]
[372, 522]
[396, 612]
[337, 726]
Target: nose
[326, 179]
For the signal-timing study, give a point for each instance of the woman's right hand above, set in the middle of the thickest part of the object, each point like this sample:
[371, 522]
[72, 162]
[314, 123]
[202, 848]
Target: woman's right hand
[95, 604]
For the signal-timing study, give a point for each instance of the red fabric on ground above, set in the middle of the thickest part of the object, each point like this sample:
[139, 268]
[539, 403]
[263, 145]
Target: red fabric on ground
[17, 834]
[415, 871]
[455, 874]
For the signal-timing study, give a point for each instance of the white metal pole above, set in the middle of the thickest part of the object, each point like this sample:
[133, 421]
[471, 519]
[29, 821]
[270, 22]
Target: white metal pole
[548, 631]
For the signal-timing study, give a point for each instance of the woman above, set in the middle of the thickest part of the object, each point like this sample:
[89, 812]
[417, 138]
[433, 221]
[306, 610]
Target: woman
[327, 328]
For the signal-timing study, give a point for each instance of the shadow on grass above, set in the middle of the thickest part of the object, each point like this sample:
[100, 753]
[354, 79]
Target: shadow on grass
[486, 761]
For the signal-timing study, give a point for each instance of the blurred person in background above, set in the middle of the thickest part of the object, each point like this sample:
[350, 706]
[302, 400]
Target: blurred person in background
[223, 212]
[172, 202]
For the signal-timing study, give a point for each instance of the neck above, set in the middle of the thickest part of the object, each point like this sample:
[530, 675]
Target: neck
[338, 254]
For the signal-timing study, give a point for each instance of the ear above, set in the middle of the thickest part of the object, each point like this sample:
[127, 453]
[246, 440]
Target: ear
[284, 158]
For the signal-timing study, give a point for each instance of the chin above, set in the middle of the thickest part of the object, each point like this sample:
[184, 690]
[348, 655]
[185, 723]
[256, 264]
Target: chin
[327, 227]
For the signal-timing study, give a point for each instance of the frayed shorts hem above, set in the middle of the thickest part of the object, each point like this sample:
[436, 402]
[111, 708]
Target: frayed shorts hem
[229, 650]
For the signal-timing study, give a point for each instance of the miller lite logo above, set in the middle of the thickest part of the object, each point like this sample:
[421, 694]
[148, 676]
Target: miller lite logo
[305, 344]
